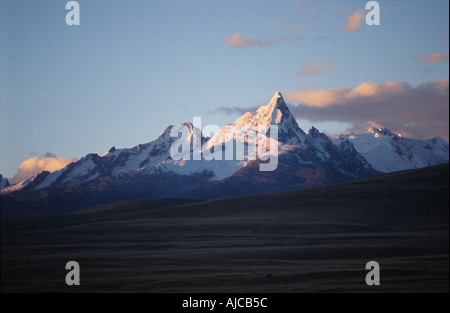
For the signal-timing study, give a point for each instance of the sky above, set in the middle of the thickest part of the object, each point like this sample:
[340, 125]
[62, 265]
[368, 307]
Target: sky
[131, 68]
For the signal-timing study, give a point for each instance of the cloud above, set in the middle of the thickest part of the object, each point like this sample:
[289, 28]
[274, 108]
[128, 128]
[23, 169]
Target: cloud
[422, 111]
[363, 127]
[237, 41]
[49, 155]
[433, 58]
[353, 23]
[35, 165]
[316, 69]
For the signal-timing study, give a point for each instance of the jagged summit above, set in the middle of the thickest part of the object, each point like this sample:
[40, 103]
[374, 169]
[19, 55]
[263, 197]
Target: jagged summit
[272, 113]
[390, 152]
[276, 112]
[278, 100]
[314, 132]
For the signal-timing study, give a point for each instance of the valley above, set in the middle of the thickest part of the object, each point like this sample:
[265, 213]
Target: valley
[316, 239]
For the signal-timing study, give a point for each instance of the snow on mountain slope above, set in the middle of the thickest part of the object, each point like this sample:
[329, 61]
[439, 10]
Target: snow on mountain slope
[275, 112]
[3, 182]
[389, 152]
[305, 160]
[148, 158]
[312, 150]
[19, 186]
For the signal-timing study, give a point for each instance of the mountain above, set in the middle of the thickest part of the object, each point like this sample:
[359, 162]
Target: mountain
[3, 182]
[276, 112]
[389, 152]
[305, 159]
[150, 170]
[154, 158]
[149, 158]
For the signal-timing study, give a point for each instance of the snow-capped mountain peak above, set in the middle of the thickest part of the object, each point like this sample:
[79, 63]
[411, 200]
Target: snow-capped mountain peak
[276, 112]
[349, 157]
[155, 157]
[390, 152]
[270, 114]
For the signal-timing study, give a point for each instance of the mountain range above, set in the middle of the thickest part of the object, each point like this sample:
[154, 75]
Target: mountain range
[388, 152]
[148, 171]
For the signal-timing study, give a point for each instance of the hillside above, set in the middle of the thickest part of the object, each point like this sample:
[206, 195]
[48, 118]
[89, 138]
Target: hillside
[308, 240]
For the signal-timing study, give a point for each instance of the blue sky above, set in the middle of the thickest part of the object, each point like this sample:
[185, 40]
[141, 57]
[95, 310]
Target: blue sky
[134, 67]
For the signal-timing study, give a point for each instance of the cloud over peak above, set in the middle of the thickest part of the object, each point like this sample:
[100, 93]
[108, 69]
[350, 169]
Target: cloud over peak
[420, 111]
[35, 165]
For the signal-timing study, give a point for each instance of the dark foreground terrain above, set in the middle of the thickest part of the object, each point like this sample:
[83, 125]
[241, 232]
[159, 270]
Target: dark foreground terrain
[300, 241]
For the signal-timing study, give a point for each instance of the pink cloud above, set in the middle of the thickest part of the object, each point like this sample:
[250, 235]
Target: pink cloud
[353, 22]
[363, 127]
[237, 41]
[36, 165]
[421, 111]
[316, 69]
[433, 58]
